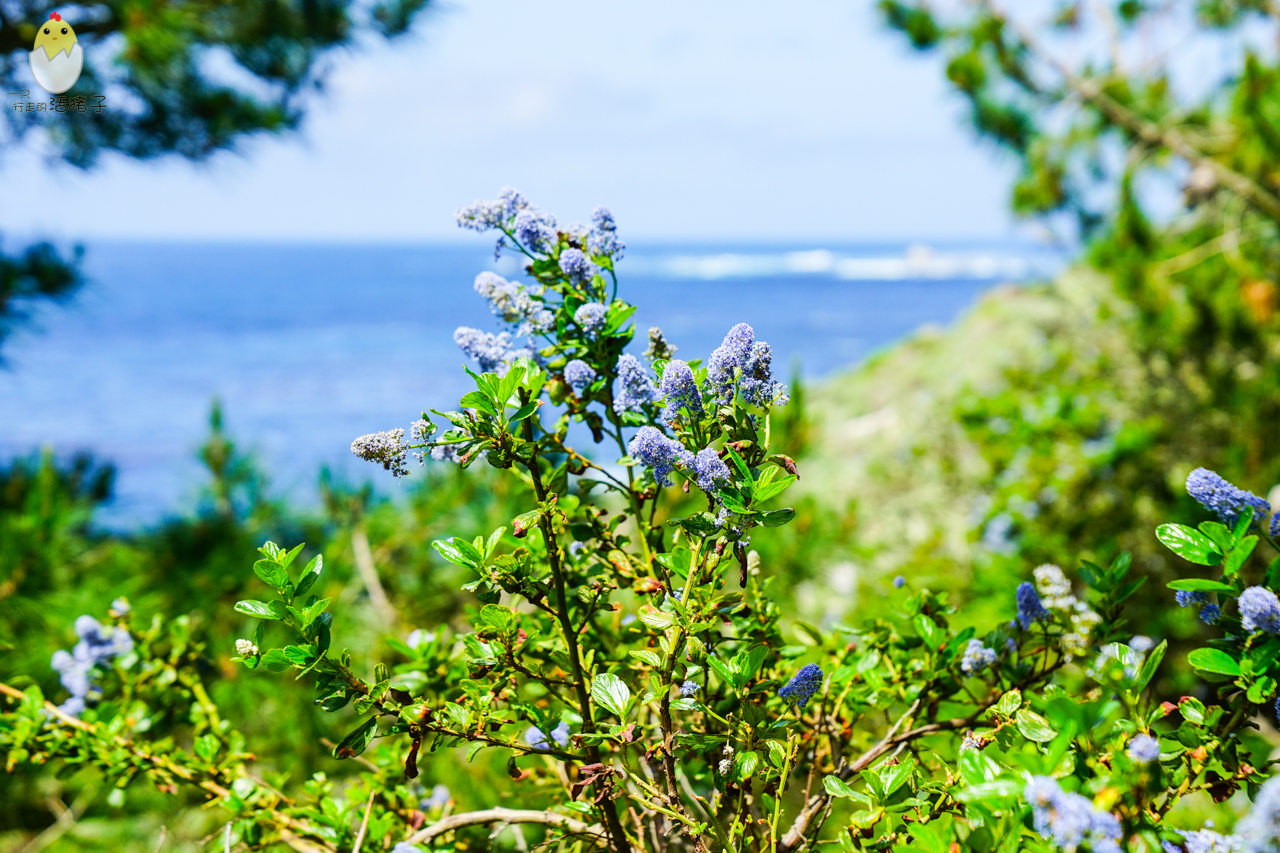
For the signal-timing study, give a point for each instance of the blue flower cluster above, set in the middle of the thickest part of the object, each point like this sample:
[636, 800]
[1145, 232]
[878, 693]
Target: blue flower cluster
[590, 317]
[800, 689]
[1260, 610]
[976, 657]
[1209, 613]
[1259, 830]
[742, 363]
[485, 215]
[727, 359]
[689, 689]
[1225, 500]
[487, 348]
[577, 266]
[538, 740]
[1030, 609]
[1070, 819]
[711, 472]
[406, 847]
[654, 450]
[1187, 598]
[387, 448]
[579, 375]
[535, 230]
[1256, 832]
[1144, 749]
[635, 388]
[98, 645]
[602, 239]
[514, 304]
[1208, 841]
[679, 391]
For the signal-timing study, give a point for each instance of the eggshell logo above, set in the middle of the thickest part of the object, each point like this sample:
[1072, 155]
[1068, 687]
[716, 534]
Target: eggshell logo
[57, 58]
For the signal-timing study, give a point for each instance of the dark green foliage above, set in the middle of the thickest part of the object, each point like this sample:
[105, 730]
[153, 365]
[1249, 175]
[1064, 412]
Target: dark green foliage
[183, 107]
[40, 272]
[157, 55]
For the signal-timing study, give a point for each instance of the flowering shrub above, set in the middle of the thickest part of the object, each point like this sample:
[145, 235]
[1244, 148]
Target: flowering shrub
[623, 657]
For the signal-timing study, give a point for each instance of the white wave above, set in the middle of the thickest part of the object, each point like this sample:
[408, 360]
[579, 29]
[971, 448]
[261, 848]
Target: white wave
[917, 262]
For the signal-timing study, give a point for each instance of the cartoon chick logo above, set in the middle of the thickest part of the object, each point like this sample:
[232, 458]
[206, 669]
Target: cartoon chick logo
[57, 58]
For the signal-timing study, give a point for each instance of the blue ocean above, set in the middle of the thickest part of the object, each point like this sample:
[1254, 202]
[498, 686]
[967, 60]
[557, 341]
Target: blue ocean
[308, 346]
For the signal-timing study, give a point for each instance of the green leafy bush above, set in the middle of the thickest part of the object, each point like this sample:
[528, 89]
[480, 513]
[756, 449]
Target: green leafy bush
[627, 670]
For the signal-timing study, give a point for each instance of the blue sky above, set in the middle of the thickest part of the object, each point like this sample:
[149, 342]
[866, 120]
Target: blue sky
[714, 120]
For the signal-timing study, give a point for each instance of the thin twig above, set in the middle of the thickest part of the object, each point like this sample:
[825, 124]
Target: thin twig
[513, 816]
[364, 824]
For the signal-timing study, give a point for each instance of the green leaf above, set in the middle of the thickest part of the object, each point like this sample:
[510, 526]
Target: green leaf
[1009, 703]
[837, 787]
[313, 611]
[1218, 532]
[468, 550]
[777, 753]
[1033, 726]
[274, 661]
[1242, 526]
[285, 559]
[450, 551]
[648, 656]
[480, 401]
[458, 715]
[256, 609]
[1238, 555]
[610, 692]
[1189, 544]
[299, 656]
[894, 776]
[725, 669]
[206, 746]
[747, 663]
[656, 619]
[310, 575]
[684, 704]
[272, 573]
[763, 493]
[1261, 690]
[501, 619]
[1148, 670]
[743, 471]
[1192, 709]
[358, 741]
[776, 517]
[1214, 660]
[745, 764]
[701, 524]
[989, 790]
[928, 630]
[1201, 585]
[494, 538]
[524, 411]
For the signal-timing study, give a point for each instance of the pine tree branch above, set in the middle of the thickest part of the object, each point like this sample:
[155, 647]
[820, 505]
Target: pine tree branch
[1091, 90]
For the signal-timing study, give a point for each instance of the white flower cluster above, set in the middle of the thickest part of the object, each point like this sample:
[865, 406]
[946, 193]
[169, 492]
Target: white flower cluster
[1055, 594]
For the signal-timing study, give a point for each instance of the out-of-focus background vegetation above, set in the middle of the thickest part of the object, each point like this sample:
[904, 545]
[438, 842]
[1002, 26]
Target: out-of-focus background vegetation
[1052, 422]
